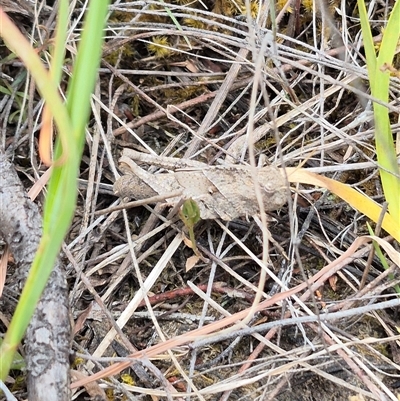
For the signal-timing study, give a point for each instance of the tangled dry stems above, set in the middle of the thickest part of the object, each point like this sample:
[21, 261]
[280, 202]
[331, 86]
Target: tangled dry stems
[310, 107]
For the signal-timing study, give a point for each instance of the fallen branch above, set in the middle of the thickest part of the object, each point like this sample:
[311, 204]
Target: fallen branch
[47, 341]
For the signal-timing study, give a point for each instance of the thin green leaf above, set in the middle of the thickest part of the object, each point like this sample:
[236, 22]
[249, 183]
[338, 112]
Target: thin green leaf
[62, 191]
[379, 78]
[176, 22]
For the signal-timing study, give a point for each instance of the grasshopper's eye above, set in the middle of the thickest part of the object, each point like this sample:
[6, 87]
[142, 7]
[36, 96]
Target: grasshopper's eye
[269, 188]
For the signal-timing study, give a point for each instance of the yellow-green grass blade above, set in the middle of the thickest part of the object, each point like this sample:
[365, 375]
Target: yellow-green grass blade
[369, 47]
[379, 78]
[385, 147]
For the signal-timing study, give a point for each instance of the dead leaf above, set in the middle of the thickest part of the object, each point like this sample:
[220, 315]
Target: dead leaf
[92, 388]
[82, 318]
[357, 397]
[332, 282]
[3, 267]
[191, 262]
[354, 198]
[187, 242]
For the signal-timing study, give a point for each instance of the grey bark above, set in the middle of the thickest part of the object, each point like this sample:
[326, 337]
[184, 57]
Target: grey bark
[47, 341]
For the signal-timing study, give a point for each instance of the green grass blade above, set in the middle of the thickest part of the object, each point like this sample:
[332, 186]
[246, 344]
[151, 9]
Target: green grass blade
[369, 46]
[18, 44]
[379, 81]
[58, 49]
[62, 191]
[176, 22]
[383, 136]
